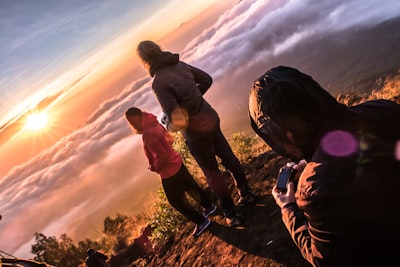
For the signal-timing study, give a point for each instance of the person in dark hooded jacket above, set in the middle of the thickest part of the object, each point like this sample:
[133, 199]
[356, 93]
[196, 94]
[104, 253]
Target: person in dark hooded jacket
[179, 88]
[175, 178]
[344, 209]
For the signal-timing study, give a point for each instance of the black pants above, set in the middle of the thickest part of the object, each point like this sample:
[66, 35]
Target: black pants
[205, 150]
[175, 188]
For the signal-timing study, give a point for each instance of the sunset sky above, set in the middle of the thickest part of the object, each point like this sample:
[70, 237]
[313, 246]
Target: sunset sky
[75, 62]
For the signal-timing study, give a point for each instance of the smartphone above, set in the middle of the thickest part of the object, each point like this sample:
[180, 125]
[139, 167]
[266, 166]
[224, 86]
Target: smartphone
[286, 174]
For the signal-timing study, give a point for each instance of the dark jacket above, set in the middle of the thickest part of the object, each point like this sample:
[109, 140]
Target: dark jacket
[179, 85]
[347, 196]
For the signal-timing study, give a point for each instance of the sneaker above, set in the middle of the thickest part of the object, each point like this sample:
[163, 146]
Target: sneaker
[201, 227]
[249, 198]
[210, 210]
[236, 220]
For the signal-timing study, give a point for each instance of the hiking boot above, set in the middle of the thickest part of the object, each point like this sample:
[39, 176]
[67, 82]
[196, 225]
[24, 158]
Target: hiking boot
[209, 211]
[249, 198]
[235, 220]
[201, 227]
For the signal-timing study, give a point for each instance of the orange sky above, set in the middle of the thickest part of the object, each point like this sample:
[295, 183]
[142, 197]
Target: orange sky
[68, 112]
[73, 111]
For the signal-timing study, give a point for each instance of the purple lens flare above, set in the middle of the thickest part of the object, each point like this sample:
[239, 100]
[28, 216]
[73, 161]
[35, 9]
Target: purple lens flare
[339, 143]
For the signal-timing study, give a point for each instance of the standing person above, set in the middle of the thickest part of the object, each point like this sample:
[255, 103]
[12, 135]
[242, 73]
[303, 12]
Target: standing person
[179, 88]
[95, 258]
[344, 209]
[175, 178]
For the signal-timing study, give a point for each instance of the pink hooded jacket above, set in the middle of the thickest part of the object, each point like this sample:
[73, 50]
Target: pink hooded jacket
[157, 143]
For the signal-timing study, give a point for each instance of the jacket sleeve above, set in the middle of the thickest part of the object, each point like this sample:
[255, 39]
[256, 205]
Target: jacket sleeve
[297, 225]
[167, 101]
[297, 221]
[155, 152]
[202, 78]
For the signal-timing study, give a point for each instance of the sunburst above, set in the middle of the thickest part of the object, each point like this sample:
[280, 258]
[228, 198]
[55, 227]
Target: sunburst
[36, 121]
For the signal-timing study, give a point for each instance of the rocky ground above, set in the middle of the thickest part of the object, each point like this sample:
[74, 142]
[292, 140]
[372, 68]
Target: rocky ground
[262, 241]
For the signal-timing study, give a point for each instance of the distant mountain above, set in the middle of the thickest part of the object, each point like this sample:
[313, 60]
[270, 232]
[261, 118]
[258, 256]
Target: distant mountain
[350, 60]
[354, 60]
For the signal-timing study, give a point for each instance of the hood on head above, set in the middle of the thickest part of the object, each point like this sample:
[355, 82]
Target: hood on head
[285, 99]
[164, 60]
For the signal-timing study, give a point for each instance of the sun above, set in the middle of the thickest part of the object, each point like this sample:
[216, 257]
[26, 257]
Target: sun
[36, 121]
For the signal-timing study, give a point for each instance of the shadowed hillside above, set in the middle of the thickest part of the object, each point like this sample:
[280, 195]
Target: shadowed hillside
[349, 60]
[353, 60]
[263, 240]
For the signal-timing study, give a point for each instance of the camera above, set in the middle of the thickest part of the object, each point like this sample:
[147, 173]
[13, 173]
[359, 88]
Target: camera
[285, 175]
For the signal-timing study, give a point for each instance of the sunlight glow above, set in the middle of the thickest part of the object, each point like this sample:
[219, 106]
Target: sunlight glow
[36, 121]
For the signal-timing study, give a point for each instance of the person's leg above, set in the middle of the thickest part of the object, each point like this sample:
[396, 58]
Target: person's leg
[204, 153]
[175, 192]
[231, 162]
[194, 190]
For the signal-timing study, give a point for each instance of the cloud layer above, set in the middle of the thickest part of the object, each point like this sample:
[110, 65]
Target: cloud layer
[98, 169]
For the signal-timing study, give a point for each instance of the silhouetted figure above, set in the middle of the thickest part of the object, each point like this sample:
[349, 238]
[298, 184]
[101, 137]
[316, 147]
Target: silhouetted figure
[95, 258]
[344, 209]
[144, 240]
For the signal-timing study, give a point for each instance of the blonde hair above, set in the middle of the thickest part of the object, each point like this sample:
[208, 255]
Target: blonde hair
[149, 52]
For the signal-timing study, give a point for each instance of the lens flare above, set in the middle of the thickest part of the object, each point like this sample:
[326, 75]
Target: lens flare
[397, 151]
[339, 144]
[36, 121]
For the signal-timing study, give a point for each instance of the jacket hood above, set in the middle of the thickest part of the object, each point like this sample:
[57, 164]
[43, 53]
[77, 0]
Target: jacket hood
[148, 120]
[166, 59]
[285, 99]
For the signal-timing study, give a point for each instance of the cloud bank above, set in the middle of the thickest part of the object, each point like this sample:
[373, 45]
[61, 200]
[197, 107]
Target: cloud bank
[97, 170]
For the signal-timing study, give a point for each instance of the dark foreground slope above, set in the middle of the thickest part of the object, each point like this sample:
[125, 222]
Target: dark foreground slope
[262, 241]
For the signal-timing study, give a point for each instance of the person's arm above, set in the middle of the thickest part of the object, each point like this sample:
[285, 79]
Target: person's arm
[155, 152]
[174, 118]
[166, 98]
[297, 225]
[168, 103]
[202, 78]
[295, 221]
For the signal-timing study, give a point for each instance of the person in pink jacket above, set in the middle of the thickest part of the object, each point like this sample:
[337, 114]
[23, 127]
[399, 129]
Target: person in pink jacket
[175, 178]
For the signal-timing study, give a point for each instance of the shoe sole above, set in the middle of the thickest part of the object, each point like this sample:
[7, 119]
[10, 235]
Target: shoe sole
[202, 230]
[211, 212]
